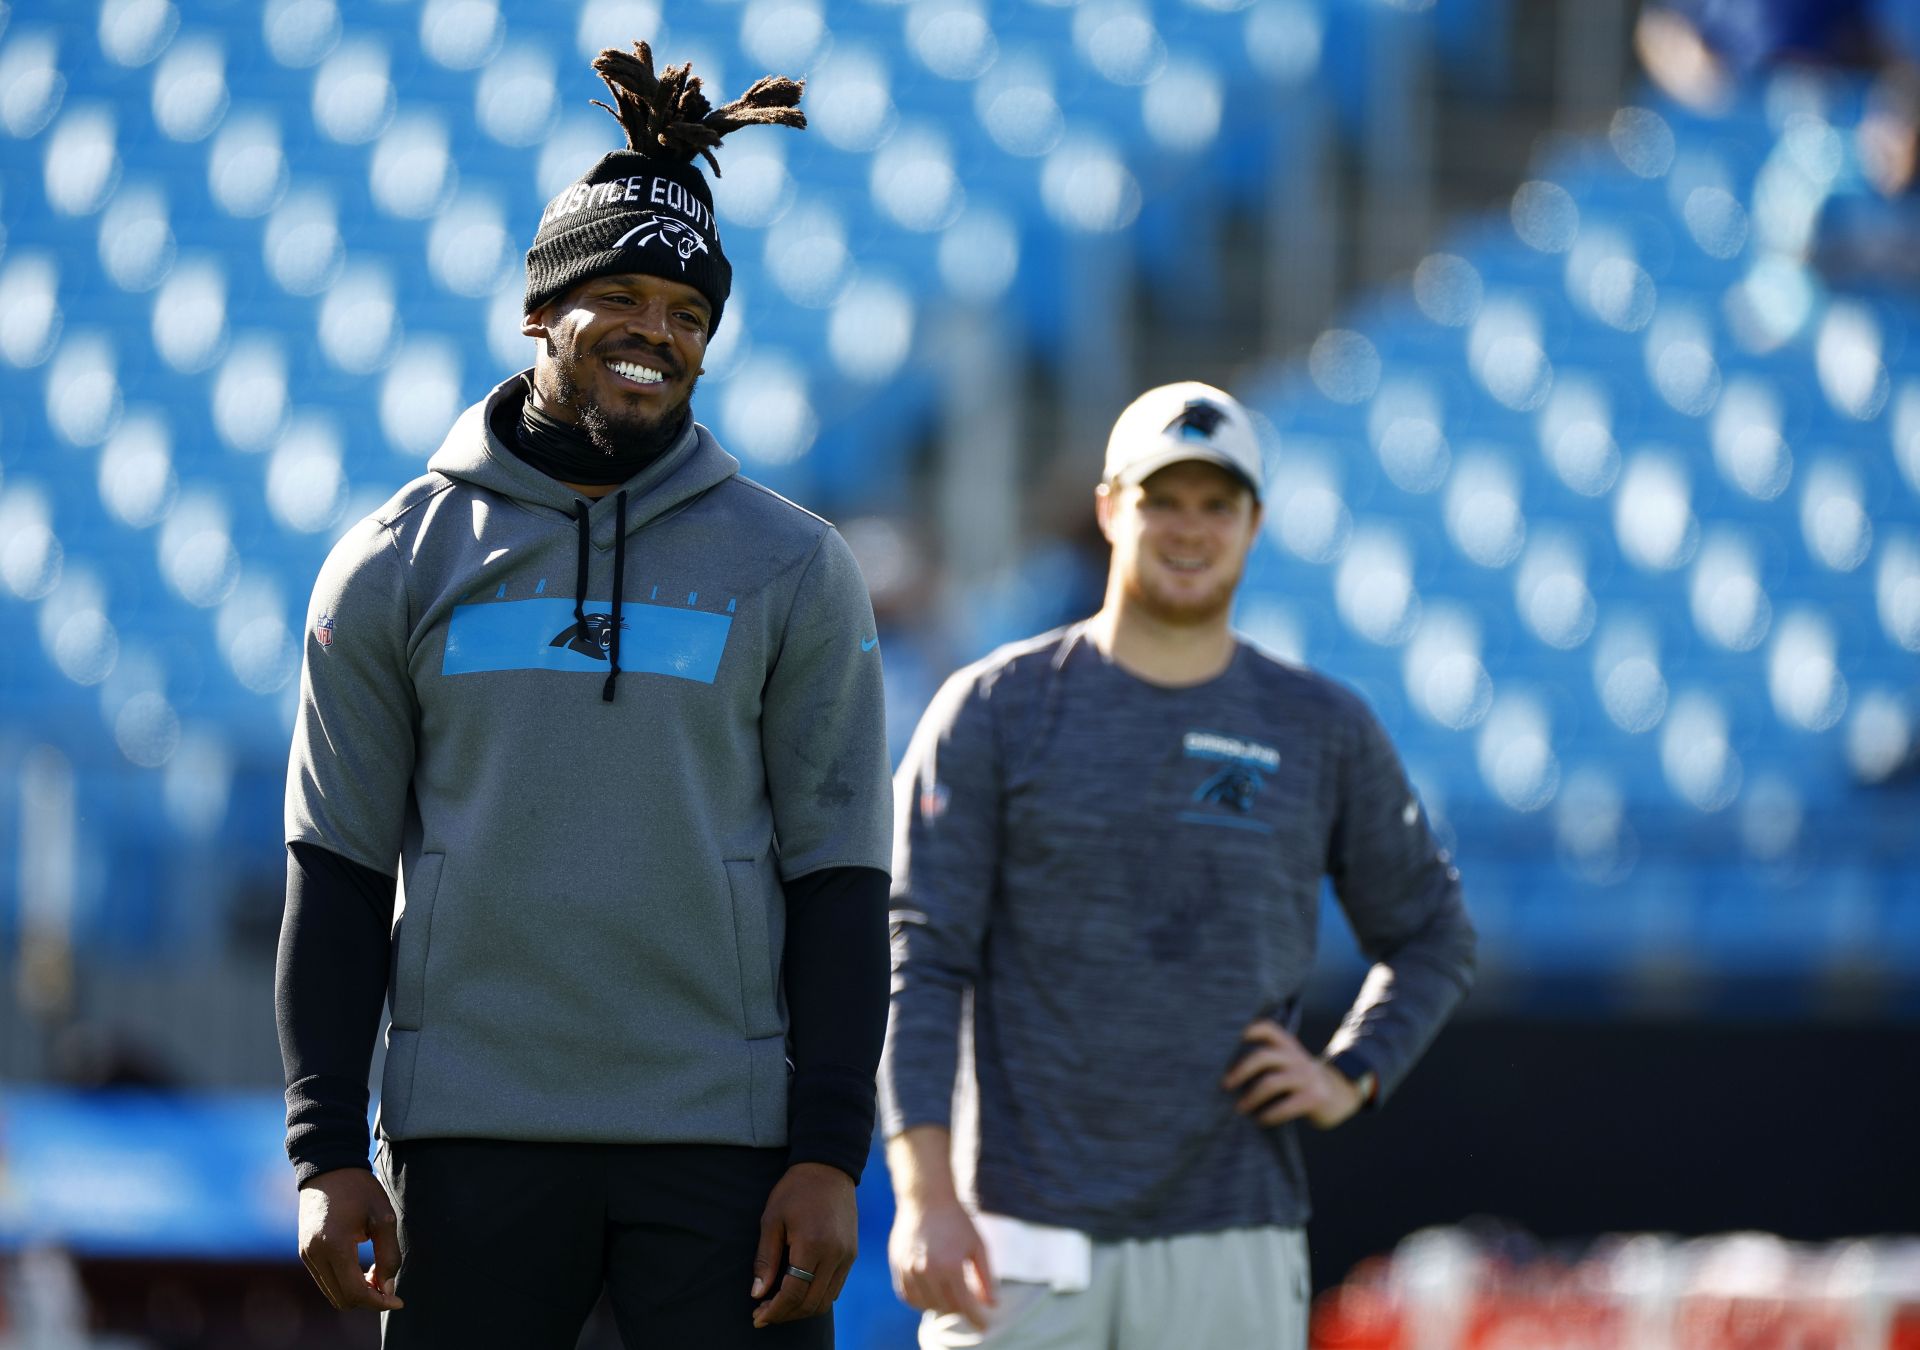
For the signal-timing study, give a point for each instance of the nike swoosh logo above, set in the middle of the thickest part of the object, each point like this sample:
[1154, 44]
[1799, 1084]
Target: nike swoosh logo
[868, 644]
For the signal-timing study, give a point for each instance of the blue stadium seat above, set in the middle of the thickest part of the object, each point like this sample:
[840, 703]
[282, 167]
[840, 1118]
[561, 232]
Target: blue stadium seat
[1663, 494]
[1558, 509]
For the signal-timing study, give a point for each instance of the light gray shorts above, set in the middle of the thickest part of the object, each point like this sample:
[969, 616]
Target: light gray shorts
[1241, 1289]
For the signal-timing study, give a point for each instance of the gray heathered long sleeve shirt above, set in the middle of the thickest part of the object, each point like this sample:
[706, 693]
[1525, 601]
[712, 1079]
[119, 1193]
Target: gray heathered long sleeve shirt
[1122, 876]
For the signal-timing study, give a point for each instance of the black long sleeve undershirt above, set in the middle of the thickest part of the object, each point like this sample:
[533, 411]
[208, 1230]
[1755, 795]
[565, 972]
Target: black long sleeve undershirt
[836, 969]
[328, 984]
[331, 980]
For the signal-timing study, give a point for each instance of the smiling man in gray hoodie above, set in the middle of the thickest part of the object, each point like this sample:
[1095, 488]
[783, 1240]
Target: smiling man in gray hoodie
[615, 712]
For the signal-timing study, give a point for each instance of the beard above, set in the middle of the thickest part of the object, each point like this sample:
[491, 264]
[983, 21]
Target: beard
[616, 432]
[1182, 611]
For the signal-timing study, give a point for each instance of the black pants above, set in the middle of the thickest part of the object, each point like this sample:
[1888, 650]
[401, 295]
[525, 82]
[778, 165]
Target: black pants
[509, 1244]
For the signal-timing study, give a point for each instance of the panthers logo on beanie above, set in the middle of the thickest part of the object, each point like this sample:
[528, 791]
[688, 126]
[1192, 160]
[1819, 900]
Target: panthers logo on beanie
[683, 239]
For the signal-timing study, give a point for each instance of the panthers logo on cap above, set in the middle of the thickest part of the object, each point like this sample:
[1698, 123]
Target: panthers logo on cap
[1198, 420]
[677, 235]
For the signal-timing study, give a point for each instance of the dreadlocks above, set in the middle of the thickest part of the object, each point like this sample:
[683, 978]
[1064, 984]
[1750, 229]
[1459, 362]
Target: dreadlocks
[667, 115]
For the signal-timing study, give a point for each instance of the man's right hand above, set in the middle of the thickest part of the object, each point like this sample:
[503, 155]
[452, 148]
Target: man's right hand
[939, 1262]
[338, 1211]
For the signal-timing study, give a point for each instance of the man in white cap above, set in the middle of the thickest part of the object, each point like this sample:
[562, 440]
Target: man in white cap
[1108, 855]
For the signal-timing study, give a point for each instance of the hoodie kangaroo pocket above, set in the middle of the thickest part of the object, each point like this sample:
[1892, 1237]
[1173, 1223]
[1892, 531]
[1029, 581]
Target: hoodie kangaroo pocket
[751, 884]
[408, 993]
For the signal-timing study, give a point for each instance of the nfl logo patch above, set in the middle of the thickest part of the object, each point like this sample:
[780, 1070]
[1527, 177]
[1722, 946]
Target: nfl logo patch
[323, 630]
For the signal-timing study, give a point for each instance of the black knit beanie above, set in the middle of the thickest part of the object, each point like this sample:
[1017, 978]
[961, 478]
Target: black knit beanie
[647, 208]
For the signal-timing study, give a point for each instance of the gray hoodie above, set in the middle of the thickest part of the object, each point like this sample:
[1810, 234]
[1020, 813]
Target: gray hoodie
[589, 944]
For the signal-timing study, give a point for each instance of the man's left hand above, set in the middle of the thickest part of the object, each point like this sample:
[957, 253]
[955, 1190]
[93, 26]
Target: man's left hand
[810, 1222]
[1279, 1080]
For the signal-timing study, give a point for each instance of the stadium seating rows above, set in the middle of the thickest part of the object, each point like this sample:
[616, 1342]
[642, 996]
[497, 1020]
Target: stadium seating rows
[1614, 512]
[1635, 551]
[255, 261]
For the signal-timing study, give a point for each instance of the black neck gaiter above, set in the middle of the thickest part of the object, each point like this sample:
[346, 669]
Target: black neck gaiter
[561, 450]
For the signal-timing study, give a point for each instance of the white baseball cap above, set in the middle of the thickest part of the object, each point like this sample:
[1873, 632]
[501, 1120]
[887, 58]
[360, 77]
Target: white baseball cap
[1179, 422]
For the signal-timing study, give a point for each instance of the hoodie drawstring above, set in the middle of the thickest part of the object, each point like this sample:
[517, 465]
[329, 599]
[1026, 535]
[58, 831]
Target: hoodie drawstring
[580, 573]
[619, 585]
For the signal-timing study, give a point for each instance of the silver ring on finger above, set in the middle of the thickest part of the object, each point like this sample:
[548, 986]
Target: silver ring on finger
[800, 1274]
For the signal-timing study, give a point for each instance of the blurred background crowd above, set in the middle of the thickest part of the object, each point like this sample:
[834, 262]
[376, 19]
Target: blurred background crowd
[1587, 342]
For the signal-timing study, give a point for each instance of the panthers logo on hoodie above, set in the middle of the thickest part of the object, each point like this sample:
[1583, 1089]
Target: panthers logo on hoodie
[591, 636]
